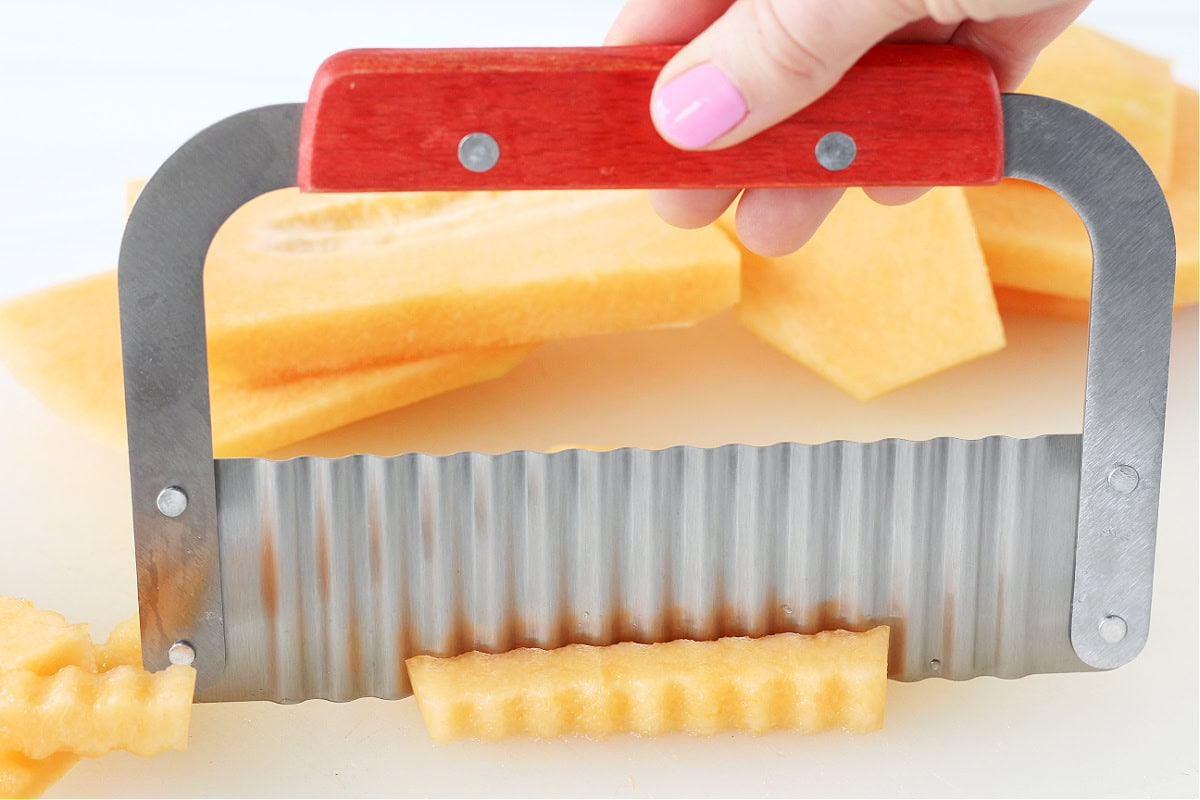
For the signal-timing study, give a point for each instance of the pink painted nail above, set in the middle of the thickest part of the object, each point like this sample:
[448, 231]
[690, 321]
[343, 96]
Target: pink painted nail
[698, 107]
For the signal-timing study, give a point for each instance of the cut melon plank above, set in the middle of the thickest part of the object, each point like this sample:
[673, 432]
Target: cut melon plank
[1126, 87]
[63, 344]
[809, 684]
[1035, 242]
[880, 297]
[315, 283]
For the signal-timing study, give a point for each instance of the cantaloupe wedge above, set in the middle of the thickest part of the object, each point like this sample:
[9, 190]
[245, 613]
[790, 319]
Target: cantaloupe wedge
[1036, 246]
[63, 344]
[1129, 89]
[359, 279]
[834, 679]
[880, 296]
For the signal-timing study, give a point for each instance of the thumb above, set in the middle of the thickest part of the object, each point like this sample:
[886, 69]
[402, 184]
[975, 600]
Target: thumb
[762, 61]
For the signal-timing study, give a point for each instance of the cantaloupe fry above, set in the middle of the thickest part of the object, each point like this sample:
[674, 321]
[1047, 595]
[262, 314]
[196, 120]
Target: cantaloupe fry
[1035, 242]
[306, 284]
[63, 344]
[87, 714]
[804, 683]
[122, 648]
[22, 776]
[880, 297]
[40, 641]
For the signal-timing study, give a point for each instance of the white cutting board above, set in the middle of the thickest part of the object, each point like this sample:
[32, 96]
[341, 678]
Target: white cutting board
[64, 512]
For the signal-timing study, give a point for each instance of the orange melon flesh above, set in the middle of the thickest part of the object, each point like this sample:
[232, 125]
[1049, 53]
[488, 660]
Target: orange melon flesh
[22, 776]
[1036, 245]
[1019, 301]
[1129, 89]
[122, 648]
[41, 641]
[91, 714]
[63, 344]
[317, 283]
[880, 297]
[809, 684]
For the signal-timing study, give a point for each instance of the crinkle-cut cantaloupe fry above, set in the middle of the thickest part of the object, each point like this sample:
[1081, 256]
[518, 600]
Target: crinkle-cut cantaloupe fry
[791, 681]
[41, 641]
[880, 296]
[92, 714]
[313, 283]
[22, 776]
[122, 648]
[1130, 89]
[63, 344]
[25, 632]
[1036, 244]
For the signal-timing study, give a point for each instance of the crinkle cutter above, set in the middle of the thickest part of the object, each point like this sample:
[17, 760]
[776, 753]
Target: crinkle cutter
[288, 580]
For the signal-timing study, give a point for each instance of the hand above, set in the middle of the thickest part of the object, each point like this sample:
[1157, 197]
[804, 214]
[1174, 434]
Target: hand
[752, 63]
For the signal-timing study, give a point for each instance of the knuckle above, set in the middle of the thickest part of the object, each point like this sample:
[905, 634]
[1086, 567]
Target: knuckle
[786, 49]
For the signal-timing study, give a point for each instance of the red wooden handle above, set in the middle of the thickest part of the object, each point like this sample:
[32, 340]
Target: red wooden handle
[578, 118]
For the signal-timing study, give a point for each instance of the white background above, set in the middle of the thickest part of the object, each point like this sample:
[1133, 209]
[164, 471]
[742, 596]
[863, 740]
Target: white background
[92, 94]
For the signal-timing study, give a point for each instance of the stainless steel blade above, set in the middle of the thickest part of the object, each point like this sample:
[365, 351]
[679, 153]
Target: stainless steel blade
[335, 571]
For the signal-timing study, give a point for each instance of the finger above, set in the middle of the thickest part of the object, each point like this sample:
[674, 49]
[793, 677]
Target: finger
[775, 222]
[923, 31]
[663, 21]
[894, 195]
[691, 208]
[762, 61]
[1012, 44]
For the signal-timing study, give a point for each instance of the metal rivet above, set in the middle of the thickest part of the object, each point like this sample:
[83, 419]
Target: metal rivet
[171, 501]
[478, 152]
[836, 151]
[181, 653]
[1123, 479]
[1113, 629]
[935, 665]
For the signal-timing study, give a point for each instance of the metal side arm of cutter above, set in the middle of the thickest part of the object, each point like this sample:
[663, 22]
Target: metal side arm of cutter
[988, 557]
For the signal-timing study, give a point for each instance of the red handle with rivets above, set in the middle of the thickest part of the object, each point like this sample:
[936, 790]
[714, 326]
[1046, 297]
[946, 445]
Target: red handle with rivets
[578, 118]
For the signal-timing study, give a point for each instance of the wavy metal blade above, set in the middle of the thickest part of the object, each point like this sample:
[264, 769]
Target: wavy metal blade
[334, 571]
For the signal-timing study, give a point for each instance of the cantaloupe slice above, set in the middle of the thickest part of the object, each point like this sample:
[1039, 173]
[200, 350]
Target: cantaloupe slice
[63, 344]
[316, 283]
[1129, 89]
[804, 683]
[1038, 250]
[880, 296]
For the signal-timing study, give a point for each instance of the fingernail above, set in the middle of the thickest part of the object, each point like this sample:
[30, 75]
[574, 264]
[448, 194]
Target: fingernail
[698, 107]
